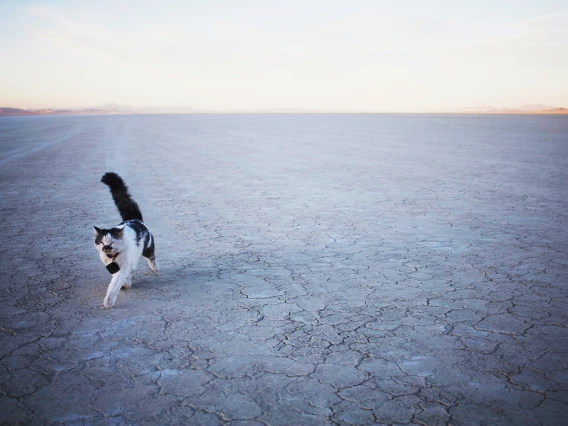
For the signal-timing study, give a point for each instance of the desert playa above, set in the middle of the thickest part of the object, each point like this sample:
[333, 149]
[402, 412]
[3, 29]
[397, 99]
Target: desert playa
[316, 270]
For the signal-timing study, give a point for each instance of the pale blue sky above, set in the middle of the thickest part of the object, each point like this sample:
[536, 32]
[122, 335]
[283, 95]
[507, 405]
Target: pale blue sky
[320, 55]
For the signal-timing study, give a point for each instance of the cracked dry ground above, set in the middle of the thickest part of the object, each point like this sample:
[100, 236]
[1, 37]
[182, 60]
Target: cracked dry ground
[315, 270]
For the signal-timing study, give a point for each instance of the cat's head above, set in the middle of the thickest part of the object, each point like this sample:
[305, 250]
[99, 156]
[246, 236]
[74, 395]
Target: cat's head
[109, 241]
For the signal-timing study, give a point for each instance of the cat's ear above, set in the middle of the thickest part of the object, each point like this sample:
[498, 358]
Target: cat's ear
[98, 231]
[118, 232]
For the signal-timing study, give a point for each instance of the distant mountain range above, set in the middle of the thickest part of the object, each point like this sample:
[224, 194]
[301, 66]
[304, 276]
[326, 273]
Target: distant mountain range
[104, 109]
[527, 109]
[151, 109]
[112, 108]
[49, 111]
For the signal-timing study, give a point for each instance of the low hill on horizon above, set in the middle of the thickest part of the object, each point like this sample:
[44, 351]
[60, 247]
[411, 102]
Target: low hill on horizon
[527, 109]
[8, 111]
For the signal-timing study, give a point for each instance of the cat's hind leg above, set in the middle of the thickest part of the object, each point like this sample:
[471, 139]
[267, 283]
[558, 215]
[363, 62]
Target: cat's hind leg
[148, 253]
[153, 263]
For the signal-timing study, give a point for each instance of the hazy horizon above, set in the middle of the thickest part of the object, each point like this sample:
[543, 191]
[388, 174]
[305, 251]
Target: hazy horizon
[176, 109]
[321, 55]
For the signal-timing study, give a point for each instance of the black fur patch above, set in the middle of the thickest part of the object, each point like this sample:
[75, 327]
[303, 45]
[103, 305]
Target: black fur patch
[116, 233]
[137, 226]
[113, 232]
[141, 231]
[127, 207]
[148, 252]
[100, 234]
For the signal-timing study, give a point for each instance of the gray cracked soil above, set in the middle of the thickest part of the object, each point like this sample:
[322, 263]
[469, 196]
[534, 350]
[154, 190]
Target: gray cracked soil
[315, 270]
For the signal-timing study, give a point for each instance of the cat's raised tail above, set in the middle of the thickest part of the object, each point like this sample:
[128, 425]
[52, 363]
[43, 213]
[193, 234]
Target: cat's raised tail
[127, 207]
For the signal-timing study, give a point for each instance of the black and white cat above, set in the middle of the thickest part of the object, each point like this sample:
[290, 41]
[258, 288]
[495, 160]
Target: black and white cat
[120, 247]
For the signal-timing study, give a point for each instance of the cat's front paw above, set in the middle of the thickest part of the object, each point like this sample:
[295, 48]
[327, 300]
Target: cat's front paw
[108, 302]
